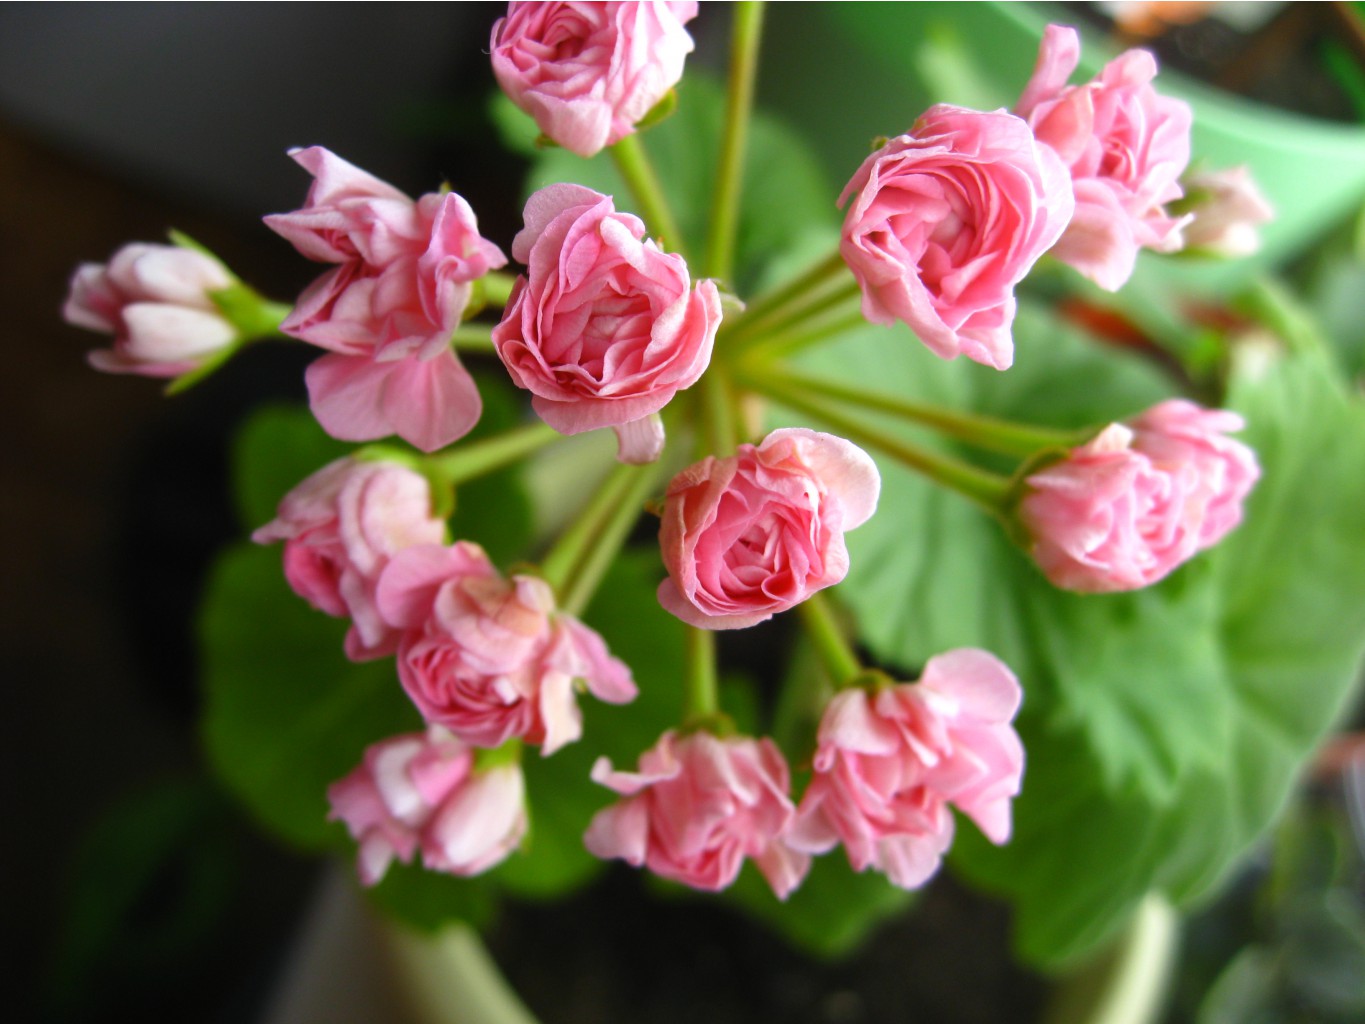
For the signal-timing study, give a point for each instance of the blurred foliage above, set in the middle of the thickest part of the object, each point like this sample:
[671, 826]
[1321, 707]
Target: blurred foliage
[1287, 945]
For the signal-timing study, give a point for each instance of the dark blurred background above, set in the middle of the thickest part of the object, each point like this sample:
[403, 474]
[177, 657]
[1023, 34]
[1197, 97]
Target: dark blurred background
[118, 121]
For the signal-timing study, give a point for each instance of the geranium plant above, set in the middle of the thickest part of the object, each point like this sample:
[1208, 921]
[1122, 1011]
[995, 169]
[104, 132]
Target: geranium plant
[1050, 588]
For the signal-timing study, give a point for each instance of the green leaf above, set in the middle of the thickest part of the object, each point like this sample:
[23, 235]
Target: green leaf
[1164, 727]
[285, 713]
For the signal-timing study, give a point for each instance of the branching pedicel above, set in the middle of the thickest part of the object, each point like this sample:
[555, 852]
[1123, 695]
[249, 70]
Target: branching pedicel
[608, 327]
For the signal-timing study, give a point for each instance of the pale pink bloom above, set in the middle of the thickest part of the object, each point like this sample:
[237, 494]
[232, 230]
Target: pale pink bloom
[604, 329]
[422, 791]
[1132, 505]
[942, 223]
[490, 658]
[1125, 146]
[340, 528]
[587, 72]
[386, 313]
[155, 301]
[890, 760]
[697, 807]
[1229, 208]
[756, 533]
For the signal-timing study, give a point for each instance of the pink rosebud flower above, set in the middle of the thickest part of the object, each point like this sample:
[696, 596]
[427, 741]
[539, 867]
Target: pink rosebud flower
[944, 222]
[1228, 207]
[587, 72]
[606, 328]
[155, 301]
[1129, 507]
[386, 313]
[757, 533]
[340, 528]
[490, 658]
[1125, 147]
[423, 791]
[889, 762]
[697, 807]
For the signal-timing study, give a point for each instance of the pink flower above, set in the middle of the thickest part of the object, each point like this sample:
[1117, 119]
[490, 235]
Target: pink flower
[1227, 209]
[156, 302]
[1125, 147]
[587, 72]
[423, 791]
[341, 526]
[697, 807]
[607, 328]
[757, 533]
[386, 313]
[1126, 509]
[945, 221]
[891, 760]
[490, 658]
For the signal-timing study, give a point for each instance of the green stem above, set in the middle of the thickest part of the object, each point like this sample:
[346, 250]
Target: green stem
[497, 287]
[272, 314]
[826, 318]
[633, 163]
[746, 33]
[830, 643]
[701, 694]
[990, 490]
[497, 757]
[558, 565]
[719, 434]
[608, 539]
[796, 293]
[473, 338]
[477, 458]
[982, 431]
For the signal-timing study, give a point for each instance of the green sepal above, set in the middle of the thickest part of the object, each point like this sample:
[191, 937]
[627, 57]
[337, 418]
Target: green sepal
[660, 112]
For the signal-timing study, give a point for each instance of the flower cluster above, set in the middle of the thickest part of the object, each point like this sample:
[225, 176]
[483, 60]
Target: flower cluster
[943, 222]
[425, 792]
[156, 300]
[1126, 147]
[754, 534]
[889, 762]
[403, 277]
[485, 660]
[606, 328]
[891, 758]
[490, 658]
[1140, 499]
[587, 72]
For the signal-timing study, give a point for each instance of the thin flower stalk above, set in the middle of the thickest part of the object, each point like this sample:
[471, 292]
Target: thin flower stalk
[608, 540]
[831, 645]
[479, 458]
[789, 303]
[744, 46]
[701, 694]
[473, 338]
[984, 432]
[643, 181]
[829, 321]
[989, 490]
